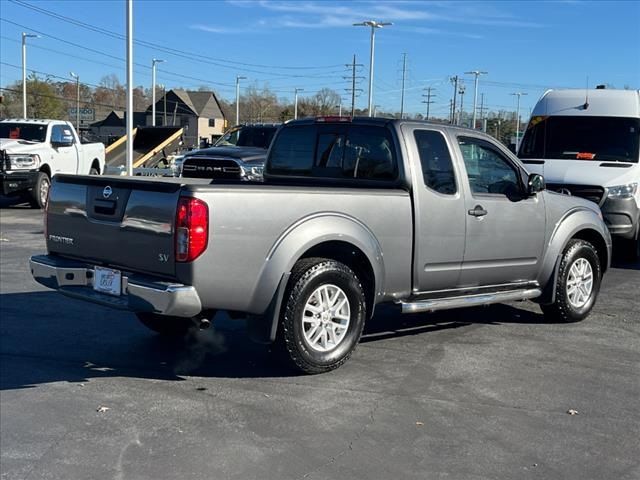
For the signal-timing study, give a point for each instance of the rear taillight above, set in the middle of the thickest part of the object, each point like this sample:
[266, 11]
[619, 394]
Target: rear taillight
[192, 229]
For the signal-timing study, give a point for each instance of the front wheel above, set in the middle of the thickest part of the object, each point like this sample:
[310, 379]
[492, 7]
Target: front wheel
[323, 315]
[578, 283]
[166, 325]
[40, 191]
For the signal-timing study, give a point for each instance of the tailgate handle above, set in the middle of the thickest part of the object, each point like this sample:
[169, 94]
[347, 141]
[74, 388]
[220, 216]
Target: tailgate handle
[104, 207]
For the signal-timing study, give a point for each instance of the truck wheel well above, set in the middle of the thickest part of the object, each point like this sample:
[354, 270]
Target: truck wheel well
[595, 239]
[46, 169]
[353, 258]
[96, 165]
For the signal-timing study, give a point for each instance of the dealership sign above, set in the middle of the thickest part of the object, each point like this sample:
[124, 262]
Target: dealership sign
[86, 114]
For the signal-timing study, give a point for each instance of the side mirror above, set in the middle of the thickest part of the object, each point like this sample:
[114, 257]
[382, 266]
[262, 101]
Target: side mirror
[535, 184]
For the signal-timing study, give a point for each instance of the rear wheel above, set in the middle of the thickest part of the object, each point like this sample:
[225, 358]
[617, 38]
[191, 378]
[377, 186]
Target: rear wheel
[166, 325]
[578, 283]
[323, 315]
[39, 194]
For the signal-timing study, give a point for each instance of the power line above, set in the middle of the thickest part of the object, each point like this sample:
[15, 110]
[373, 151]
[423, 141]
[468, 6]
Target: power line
[119, 36]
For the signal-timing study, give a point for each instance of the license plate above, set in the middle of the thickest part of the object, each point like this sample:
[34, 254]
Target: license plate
[107, 281]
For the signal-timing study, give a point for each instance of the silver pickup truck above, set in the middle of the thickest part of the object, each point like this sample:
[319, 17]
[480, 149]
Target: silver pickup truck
[352, 213]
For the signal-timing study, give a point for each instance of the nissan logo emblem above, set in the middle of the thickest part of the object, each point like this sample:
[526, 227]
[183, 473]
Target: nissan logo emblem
[106, 193]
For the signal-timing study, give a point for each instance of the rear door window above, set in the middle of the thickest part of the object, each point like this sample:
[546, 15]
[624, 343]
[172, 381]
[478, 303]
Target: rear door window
[437, 168]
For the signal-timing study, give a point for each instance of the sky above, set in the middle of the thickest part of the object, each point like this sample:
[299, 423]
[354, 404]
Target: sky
[524, 46]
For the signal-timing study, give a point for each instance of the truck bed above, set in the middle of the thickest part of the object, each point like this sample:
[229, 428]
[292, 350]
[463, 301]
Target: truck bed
[250, 228]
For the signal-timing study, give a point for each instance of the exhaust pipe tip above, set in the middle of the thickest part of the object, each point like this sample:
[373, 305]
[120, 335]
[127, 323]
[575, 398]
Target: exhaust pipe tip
[203, 323]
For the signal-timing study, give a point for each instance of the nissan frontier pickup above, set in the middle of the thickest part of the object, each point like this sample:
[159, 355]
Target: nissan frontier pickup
[352, 213]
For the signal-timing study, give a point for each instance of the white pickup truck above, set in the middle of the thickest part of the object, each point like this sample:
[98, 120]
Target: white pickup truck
[32, 151]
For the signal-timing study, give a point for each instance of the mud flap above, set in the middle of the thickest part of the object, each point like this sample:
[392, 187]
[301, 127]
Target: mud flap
[263, 328]
[549, 292]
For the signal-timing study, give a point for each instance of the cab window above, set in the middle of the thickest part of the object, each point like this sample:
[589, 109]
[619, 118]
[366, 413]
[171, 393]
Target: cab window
[488, 170]
[334, 151]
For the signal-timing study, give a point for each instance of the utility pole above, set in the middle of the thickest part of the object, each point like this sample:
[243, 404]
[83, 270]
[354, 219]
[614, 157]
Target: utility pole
[129, 121]
[353, 88]
[477, 74]
[518, 94]
[238, 78]
[24, 71]
[164, 95]
[461, 89]
[154, 62]
[295, 103]
[77, 77]
[482, 116]
[454, 81]
[373, 25]
[404, 74]
[428, 101]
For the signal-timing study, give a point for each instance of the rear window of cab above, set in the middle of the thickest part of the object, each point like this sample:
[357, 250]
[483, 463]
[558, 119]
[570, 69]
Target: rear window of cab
[334, 151]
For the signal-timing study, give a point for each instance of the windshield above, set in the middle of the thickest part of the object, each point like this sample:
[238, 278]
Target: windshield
[23, 131]
[582, 138]
[248, 137]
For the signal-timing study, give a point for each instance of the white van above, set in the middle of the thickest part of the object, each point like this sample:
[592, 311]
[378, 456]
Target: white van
[586, 143]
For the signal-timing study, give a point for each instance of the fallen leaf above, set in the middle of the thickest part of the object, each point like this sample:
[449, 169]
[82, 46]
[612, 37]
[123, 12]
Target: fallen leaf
[102, 409]
[419, 424]
[571, 411]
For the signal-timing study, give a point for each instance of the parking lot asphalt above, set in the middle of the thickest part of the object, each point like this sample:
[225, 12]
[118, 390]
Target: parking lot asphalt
[480, 393]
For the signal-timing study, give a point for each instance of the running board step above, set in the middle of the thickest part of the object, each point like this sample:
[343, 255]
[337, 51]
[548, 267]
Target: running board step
[469, 300]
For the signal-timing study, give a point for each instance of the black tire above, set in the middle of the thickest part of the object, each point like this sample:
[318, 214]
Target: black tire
[39, 194]
[563, 309]
[307, 277]
[166, 325]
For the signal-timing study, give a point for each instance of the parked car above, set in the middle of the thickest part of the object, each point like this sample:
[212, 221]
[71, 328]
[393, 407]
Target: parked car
[352, 213]
[586, 144]
[32, 151]
[239, 154]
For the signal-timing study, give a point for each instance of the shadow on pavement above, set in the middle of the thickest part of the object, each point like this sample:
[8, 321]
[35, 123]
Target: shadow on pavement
[45, 337]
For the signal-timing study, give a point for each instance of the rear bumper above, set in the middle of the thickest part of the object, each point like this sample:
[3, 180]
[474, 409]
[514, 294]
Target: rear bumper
[139, 293]
[621, 216]
[17, 182]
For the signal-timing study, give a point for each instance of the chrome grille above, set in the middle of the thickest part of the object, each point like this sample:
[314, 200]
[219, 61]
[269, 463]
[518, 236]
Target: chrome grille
[590, 192]
[205, 167]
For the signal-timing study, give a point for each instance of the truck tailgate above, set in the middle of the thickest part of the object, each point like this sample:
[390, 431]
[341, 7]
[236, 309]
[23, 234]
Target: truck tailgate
[114, 221]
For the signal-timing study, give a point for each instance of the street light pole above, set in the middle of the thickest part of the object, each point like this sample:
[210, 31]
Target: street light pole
[77, 77]
[129, 121]
[518, 94]
[373, 25]
[24, 71]
[295, 102]
[154, 62]
[238, 78]
[477, 74]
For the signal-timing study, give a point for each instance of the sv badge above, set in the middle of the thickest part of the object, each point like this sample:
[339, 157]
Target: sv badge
[163, 257]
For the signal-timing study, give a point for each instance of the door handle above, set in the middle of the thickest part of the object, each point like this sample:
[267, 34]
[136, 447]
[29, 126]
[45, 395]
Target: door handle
[478, 211]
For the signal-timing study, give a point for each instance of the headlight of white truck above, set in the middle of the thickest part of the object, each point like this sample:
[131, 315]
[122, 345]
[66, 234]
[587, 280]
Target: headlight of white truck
[22, 161]
[623, 191]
